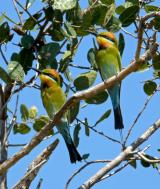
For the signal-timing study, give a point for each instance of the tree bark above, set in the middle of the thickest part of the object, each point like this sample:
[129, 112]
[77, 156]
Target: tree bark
[3, 133]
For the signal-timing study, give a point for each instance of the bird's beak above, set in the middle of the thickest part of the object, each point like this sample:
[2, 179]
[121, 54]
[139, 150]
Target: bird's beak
[38, 71]
[93, 33]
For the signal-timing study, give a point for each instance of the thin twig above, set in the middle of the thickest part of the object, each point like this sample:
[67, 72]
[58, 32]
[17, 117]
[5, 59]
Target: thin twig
[27, 11]
[127, 32]
[99, 132]
[114, 172]
[80, 67]
[27, 84]
[143, 157]
[18, 13]
[123, 156]
[139, 115]
[72, 101]
[3, 56]
[13, 118]
[5, 104]
[35, 166]
[15, 145]
[83, 167]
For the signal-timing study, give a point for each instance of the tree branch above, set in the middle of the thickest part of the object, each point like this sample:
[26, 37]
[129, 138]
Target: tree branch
[83, 167]
[35, 166]
[121, 157]
[72, 101]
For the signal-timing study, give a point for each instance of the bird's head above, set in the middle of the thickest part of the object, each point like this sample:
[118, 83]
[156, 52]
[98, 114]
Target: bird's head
[49, 77]
[106, 39]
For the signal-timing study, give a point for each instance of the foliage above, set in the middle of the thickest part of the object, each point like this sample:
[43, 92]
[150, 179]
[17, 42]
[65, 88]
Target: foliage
[51, 37]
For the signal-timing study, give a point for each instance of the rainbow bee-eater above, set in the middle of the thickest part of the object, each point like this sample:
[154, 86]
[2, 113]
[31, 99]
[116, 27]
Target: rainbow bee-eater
[53, 98]
[109, 64]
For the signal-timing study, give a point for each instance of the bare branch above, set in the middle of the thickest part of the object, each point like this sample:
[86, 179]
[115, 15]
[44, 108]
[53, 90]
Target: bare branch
[143, 157]
[141, 30]
[114, 172]
[139, 115]
[72, 101]
[83, 167]
[121, 157]
[35, 166]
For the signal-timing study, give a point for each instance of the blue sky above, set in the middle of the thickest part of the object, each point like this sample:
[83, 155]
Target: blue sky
[58, 169]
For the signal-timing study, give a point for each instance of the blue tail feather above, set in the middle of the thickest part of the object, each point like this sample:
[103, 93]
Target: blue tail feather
[64, 130]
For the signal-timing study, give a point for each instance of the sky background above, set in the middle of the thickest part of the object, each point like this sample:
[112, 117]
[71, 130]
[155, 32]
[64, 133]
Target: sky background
[58, 169]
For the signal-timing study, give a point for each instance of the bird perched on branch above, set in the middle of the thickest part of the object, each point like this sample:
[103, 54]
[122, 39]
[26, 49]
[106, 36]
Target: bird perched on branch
[53, 98]
[109, 64]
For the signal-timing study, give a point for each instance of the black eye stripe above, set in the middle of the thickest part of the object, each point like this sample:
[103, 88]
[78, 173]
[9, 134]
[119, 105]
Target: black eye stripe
[51, 76]
[106, 37]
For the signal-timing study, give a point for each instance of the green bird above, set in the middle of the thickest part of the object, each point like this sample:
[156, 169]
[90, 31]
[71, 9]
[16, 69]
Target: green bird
[109, 64]
[53, 98]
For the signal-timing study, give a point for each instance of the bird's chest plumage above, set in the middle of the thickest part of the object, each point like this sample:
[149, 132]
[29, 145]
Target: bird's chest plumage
[53, 99]
[108, 62]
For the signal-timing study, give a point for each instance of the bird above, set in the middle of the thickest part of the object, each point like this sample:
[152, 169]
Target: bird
[53, 98]
[108, 61]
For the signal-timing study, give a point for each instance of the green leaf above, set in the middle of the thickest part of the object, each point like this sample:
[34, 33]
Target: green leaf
[64, 62]
[133, 163]
[107, 2]
[31, 22]
[64, 4]
[91, 58]
[114, 25]
[29, 3]
[145, 66]
[26, 58]
[120, 9]
[21, 128]
[76, 134]
[56, 34]
[149, 87]
[33, 112]
[157, 23]
[103, 117]
[121, 43]
[24, 112]
[109, 14]
[70, 30]
[85, 156]
[98, 98]
[49, 13]
[145, 163]
[134, 2]
[87, 130]
[5, 35]
[151, 8]
[128, 16]
[27, 41]
[40, 123]
[128, 4]
[156, 62]
[1, 18]
[73, 112]
[15, 71]
[74, 15]
[100, 14]
[4, 76]
[85, 80]
[48, 53]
